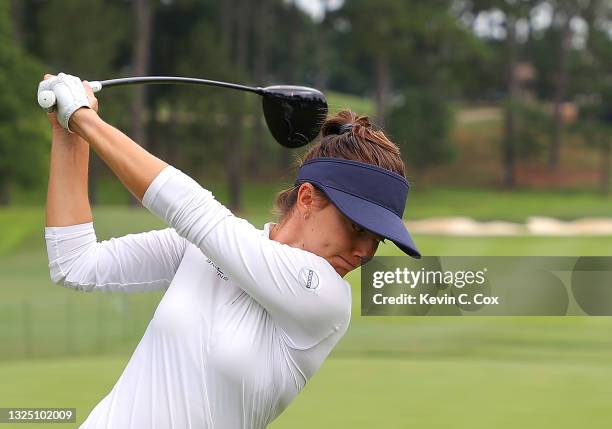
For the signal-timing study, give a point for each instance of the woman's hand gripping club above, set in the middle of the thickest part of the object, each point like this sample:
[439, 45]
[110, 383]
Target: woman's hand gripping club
[66, 94]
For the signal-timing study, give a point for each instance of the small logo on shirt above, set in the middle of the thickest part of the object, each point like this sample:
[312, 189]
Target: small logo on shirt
[309, 278]
[220, 273]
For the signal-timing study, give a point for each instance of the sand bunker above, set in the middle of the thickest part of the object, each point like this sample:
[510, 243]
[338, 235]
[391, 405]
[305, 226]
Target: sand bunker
[464, 226]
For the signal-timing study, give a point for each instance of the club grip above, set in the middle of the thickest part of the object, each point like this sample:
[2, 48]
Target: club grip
[46, 99]
[95, 85]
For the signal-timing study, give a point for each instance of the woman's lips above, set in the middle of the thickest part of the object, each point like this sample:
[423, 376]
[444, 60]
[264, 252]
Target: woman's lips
[349, 266]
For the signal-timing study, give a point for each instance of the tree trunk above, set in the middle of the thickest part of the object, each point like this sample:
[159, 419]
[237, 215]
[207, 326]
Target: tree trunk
[234, 155]
[233, 169]
[16, 11]
[561, 83]
[263, 23]
[242, 33]
[294, 43]
[509, 155]
[322, 50]
[142, 17]
[17, 15]
[383, 89]
[171, 152]
[4, 191]
[227, 24]
[295, 54]
[604, 174]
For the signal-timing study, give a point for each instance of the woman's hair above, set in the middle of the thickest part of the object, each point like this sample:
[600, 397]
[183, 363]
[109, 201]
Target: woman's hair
[345, 136]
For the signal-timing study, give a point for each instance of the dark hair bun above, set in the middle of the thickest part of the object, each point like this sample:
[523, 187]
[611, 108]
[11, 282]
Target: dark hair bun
[343, 122]
[334, 127]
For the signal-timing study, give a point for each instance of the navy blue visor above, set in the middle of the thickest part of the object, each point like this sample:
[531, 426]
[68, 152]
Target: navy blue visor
[370, 196]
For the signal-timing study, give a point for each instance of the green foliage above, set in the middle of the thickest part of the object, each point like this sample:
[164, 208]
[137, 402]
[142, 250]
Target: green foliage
[595, 116]
[433, 55]
[87, 39]
[23, 126]
[533, 125]
[217, 113]
[421, 125]
[84, 47]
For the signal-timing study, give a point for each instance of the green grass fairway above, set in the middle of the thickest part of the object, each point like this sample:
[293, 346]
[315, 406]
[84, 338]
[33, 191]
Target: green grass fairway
[60, 348]
[370, 393]
[21, 223]
[440, 393]
[40, 319]
[64, 383]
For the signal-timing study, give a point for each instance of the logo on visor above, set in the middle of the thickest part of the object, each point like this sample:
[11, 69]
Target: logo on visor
[309, 278]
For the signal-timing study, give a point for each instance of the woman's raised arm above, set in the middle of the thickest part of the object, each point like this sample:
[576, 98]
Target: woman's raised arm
[67, 196]
[135, 167]
[149, 260]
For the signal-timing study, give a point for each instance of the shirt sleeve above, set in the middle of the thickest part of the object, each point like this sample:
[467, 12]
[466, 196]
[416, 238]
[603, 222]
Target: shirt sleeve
[132, 263]
[303, 293]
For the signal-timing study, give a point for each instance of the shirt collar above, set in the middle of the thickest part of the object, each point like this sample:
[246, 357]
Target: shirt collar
[266, 229]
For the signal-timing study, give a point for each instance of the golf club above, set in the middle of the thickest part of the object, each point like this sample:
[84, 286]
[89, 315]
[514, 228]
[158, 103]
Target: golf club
[294, 114]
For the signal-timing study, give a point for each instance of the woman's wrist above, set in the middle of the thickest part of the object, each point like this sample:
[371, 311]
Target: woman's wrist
[82, 121]
[62, 138]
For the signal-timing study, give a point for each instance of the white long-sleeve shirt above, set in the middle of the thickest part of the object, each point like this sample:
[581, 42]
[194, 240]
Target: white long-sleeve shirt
[244, 323]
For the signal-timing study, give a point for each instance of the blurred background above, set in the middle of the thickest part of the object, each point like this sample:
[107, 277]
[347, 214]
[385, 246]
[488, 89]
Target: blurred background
[502, 110]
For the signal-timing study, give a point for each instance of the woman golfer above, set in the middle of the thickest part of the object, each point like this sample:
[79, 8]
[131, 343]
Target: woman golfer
[248, 315]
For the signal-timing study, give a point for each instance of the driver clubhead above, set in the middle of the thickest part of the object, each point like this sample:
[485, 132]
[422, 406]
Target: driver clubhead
[294, 114]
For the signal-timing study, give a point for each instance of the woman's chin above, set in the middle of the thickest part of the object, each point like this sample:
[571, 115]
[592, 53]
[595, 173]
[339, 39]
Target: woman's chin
[342, 271]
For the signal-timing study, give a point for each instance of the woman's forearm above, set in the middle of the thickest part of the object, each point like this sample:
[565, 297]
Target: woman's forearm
[134, 166]
[67, 196]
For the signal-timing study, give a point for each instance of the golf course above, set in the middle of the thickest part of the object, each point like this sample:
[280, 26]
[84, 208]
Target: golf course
[61, 348]
[450, 128]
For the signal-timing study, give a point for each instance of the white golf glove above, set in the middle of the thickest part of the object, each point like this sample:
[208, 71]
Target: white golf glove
[69, 93]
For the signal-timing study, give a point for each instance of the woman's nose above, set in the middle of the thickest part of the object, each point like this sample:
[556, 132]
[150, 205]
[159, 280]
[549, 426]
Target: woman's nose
[365, 247]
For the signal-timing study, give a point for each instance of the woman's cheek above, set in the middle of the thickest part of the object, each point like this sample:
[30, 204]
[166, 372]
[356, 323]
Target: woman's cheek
[326, 244]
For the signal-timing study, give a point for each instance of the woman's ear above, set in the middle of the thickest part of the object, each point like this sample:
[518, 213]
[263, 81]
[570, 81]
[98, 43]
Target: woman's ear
[305, 199]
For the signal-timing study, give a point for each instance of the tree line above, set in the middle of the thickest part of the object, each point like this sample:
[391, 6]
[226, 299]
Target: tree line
[413, 59]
